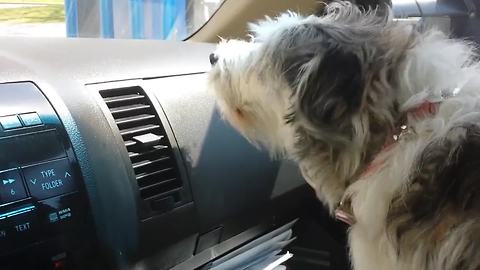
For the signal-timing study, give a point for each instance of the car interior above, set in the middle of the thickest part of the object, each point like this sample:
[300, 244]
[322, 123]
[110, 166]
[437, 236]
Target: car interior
[113, 154]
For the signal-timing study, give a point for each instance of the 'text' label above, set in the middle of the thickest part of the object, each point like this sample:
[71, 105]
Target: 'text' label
[48, 173]
[23, 227]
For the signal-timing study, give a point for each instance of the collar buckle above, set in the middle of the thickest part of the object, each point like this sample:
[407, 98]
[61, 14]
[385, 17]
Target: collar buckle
[344, 212]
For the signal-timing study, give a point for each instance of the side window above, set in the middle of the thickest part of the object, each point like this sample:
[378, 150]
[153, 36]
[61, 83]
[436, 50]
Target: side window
[460, 18]
[137, 19]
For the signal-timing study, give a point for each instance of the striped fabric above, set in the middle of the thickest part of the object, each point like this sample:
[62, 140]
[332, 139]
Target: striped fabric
[138, 19]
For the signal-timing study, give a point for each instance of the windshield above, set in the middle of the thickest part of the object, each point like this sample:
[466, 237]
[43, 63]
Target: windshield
[137, 19]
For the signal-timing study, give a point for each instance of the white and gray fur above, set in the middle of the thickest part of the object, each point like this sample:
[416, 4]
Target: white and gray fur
[327, 92]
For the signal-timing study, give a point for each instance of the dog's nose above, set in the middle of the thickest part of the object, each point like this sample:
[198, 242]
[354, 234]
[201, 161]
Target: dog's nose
[213, 59]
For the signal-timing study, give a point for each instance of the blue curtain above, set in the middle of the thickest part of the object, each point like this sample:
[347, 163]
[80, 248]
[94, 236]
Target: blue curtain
[106, 13]
[166, 15]
[137, 15]
[71, 18]
[169, 14]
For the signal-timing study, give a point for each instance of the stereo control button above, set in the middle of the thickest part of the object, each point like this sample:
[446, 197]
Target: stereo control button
[50, 179]
[5, 236]
[24, 228]
[9, 122]
[18, 227]
[11, 186]
[4, 233]
[30, 119]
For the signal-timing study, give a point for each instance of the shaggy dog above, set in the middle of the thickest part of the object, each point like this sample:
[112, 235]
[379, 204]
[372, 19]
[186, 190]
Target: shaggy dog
[383, 120]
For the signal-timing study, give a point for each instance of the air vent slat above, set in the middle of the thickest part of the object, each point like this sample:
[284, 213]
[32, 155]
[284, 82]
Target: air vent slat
[128, 108]
[163, 194]
[135, 118]
[144, 163]
[153, 161]
[142, 189]
[123, 98]
[143, 176]
[129, 143]
[157, 148]
[140, 129]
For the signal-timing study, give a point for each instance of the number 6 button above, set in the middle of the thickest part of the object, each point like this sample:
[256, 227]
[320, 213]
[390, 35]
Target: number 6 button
[11, 186]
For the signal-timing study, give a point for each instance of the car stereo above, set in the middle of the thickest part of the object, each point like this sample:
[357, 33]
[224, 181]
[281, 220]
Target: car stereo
[44, 211]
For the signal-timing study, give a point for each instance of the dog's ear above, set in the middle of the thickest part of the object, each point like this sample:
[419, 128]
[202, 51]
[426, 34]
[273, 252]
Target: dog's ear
[329, 83]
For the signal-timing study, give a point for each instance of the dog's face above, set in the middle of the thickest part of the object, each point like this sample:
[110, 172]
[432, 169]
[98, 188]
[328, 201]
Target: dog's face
[309, 73]
[251, 97]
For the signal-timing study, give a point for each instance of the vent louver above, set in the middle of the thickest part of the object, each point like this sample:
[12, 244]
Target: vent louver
[148, 147]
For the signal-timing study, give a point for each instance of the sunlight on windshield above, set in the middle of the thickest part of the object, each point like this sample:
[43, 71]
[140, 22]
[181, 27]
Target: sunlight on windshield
[138, 19]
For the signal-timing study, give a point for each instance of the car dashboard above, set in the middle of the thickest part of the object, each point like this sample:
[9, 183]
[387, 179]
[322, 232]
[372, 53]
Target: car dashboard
[113, 156]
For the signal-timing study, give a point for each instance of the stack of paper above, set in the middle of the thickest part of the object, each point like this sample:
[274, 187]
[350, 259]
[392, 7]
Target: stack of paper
[262, 253]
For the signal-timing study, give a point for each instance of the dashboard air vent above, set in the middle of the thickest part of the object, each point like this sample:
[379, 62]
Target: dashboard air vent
[147, 145]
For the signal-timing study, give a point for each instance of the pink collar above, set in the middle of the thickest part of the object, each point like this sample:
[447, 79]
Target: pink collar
[344, 211]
